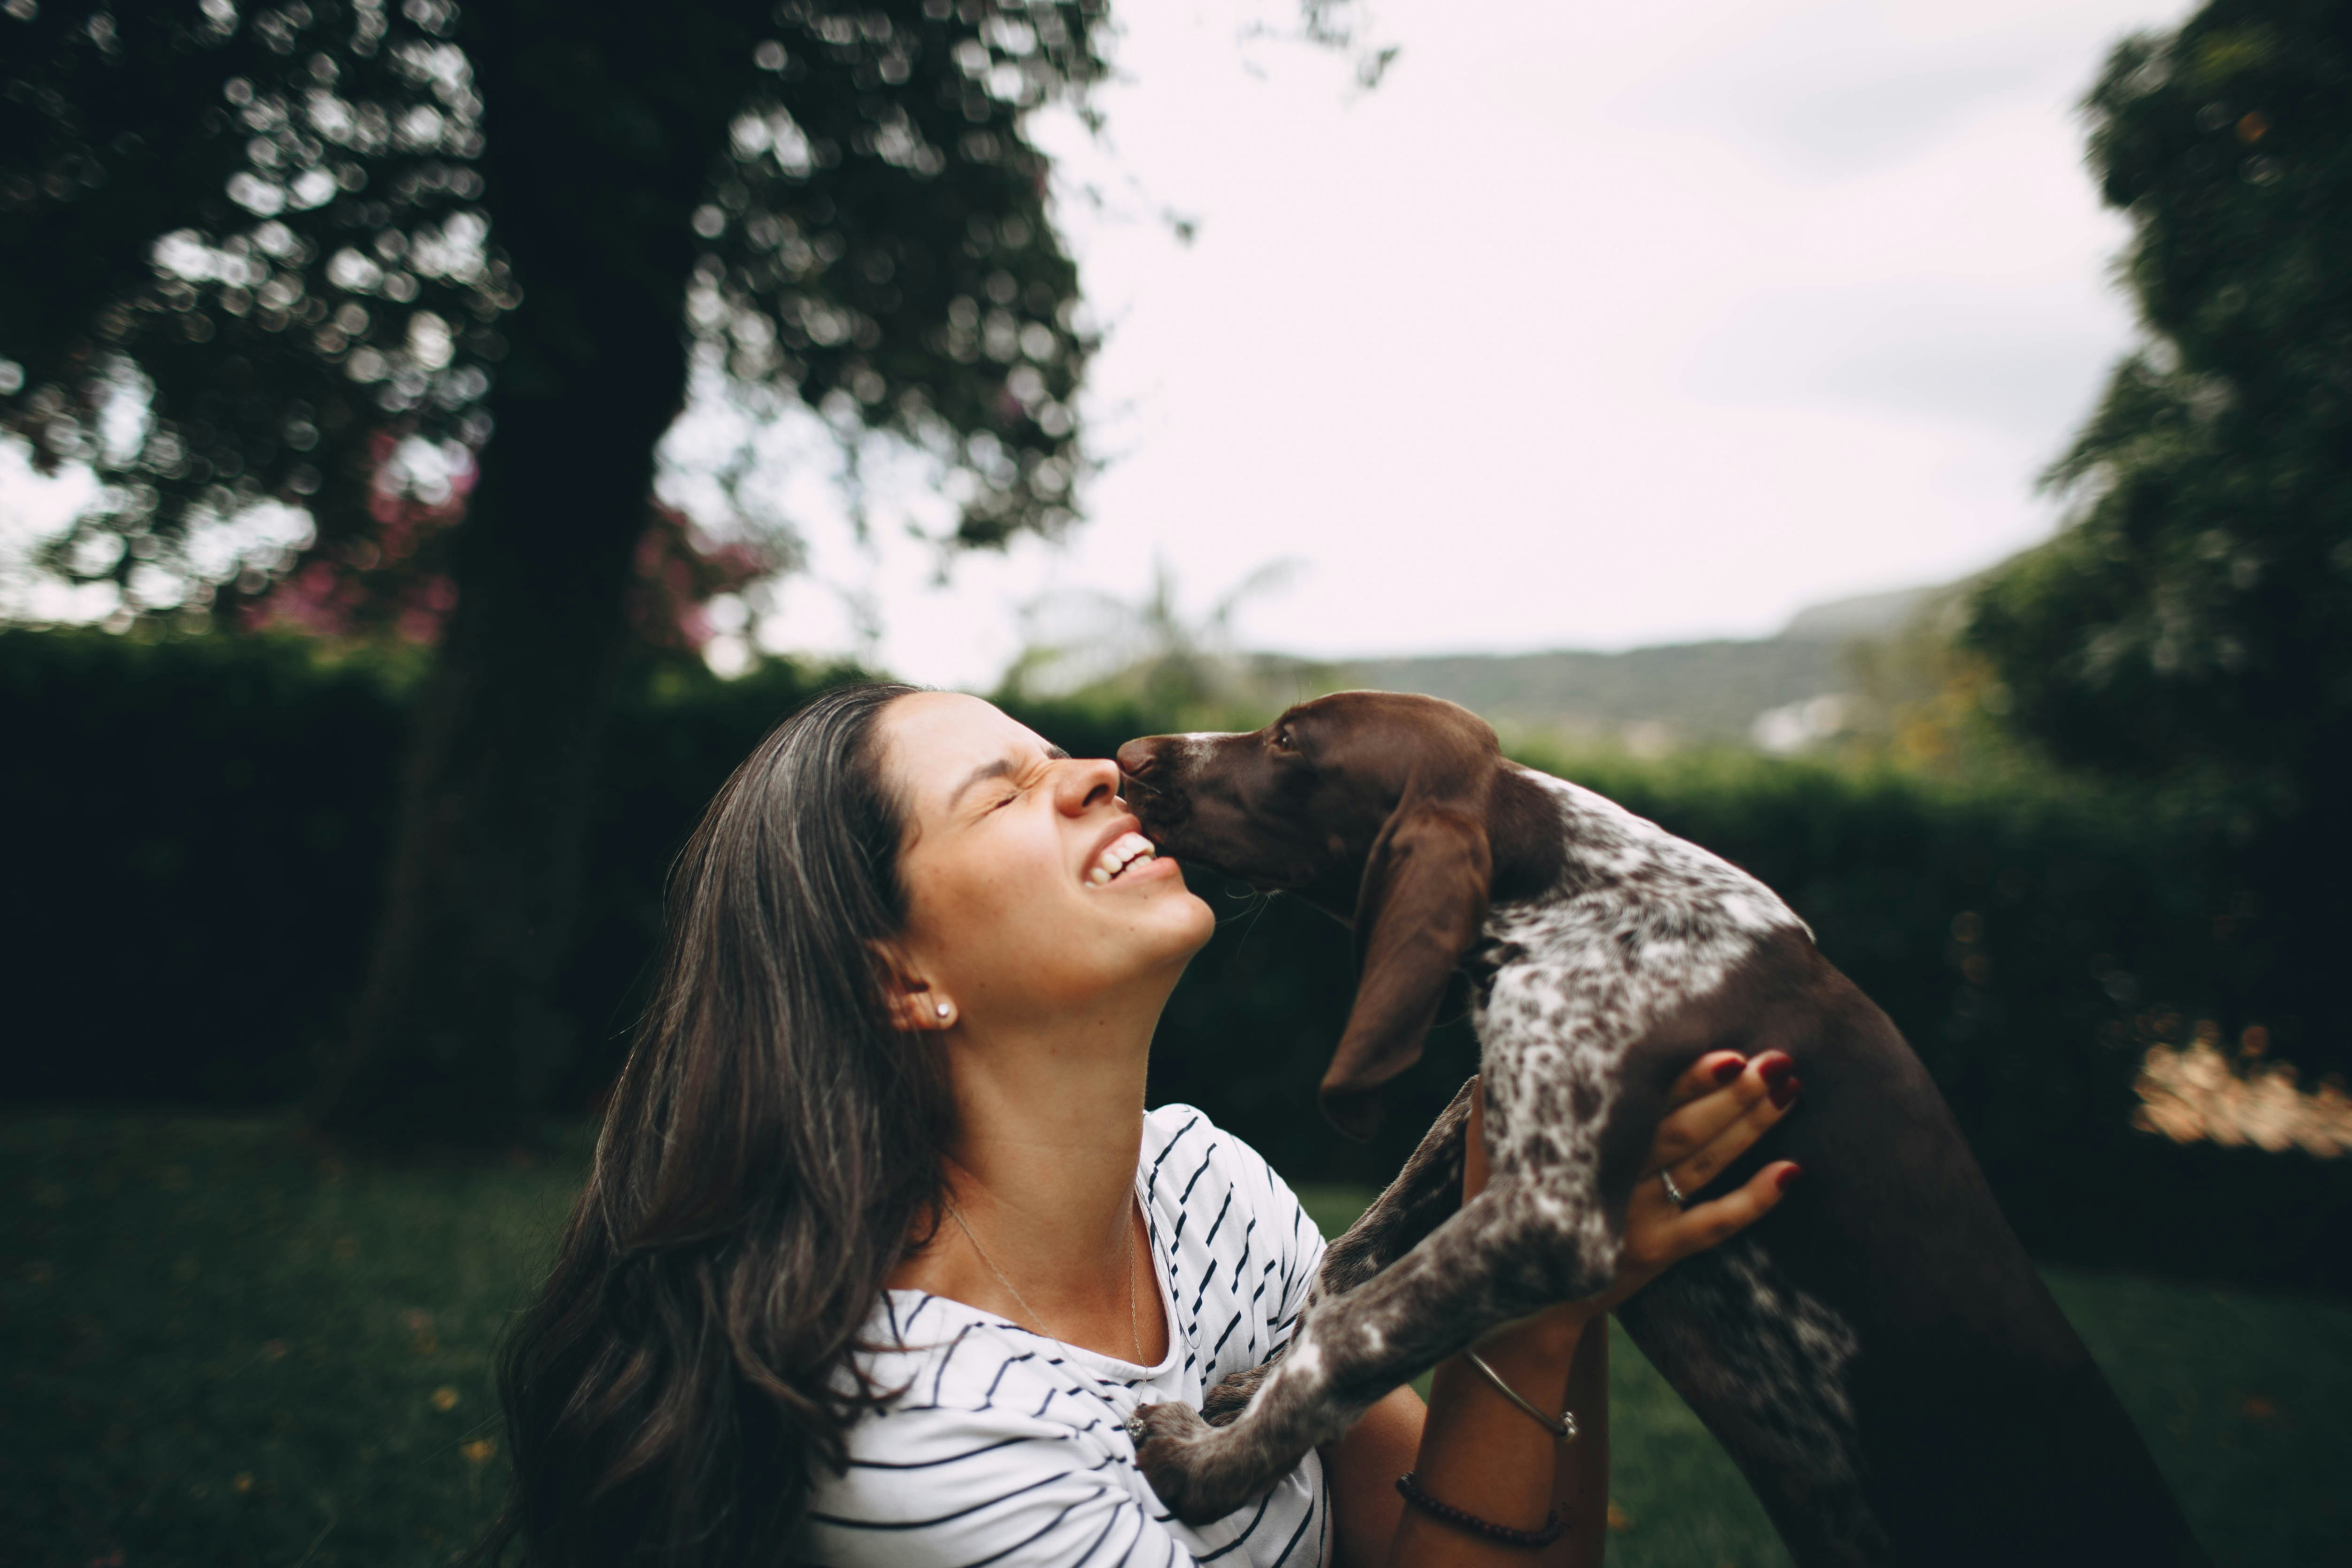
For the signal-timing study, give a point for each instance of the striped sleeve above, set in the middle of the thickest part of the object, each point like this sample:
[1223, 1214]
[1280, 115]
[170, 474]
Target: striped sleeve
[961, 1489]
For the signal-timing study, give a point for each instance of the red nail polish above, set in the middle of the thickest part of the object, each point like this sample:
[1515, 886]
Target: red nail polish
[1773, 1066]
[1785, 1091]
[1788, 1177]
[1724, 1071]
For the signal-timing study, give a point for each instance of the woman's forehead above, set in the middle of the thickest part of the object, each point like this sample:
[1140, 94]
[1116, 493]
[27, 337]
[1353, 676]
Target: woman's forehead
[935, 738]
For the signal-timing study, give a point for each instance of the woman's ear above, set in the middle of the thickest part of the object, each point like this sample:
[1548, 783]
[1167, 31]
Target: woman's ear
[913, 1004]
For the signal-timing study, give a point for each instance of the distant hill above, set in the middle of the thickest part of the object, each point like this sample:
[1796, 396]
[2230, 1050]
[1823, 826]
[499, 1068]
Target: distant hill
[1768, 691]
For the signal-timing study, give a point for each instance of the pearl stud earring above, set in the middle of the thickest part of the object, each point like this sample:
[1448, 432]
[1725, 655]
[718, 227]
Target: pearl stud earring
[946, 1011]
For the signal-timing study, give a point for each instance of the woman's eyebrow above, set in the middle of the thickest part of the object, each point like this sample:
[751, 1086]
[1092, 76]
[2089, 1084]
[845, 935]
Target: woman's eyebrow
[1003, 767]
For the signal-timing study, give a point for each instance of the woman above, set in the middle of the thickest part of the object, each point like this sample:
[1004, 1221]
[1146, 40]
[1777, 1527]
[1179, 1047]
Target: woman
[881, 1248]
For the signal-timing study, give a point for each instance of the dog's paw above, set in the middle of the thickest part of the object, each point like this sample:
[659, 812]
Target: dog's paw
[1229, 1398]
[1188, 1463]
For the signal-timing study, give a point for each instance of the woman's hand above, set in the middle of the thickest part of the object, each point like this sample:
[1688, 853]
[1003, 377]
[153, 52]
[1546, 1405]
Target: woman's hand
[1718, 1109]
[1474, 1450]
[1721, 1106]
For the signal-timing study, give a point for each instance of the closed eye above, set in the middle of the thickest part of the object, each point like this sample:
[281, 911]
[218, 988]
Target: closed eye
[1004, 771]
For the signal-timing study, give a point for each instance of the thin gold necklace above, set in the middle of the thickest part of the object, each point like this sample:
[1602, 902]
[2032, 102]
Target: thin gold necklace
[1134, 1329]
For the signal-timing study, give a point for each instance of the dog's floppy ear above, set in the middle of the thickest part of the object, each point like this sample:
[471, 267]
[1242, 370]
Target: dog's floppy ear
[1423, 902]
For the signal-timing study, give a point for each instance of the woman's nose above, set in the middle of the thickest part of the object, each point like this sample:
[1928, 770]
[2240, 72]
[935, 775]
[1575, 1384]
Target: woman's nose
[1083, 783]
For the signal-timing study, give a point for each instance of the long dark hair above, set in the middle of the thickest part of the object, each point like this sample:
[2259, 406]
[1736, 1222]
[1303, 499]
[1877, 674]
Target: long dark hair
[770, 1144]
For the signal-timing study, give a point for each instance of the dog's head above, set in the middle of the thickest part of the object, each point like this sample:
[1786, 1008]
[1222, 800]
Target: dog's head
[1374, 806]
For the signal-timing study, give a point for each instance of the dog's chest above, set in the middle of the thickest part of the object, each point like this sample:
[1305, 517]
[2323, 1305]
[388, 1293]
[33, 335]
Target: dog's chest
[1563, 984]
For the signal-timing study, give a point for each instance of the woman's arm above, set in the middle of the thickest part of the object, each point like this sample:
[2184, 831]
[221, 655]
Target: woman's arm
[1393, 1435]
[1472, 1448]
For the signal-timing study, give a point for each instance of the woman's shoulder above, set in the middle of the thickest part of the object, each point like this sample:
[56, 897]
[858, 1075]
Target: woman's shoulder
[1184, 1152]
[1205, 1185]
[943, 1360]
[995, 1445]
[1239, 1253]
[931, 1487]
[986, 1434]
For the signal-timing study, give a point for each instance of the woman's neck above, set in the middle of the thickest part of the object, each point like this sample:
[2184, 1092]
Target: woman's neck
[1042, 1173]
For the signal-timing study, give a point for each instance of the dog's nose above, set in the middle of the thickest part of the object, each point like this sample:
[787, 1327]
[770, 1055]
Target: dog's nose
[1138, 757]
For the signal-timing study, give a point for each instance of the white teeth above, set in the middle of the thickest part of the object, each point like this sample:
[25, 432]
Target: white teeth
[1120, 854]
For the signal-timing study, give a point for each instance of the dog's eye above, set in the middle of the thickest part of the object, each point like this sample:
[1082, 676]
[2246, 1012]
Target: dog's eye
[1282, 741]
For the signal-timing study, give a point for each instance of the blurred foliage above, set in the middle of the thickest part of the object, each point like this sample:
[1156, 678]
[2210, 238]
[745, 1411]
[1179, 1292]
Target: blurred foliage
[213, 816]
[192, 915]
[236, 251]
[1085, 648]
[2191, 624]
[244, 253]
[1926, 701]
[225, 1345]
[2193, 617]
[879, 242]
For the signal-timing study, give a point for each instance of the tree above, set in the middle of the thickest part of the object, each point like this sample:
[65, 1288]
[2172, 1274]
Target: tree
[2191, 623]
[514, 230]
[242, 258]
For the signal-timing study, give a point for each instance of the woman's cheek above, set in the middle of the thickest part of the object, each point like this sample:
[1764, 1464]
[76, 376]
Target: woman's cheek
[1023, 911]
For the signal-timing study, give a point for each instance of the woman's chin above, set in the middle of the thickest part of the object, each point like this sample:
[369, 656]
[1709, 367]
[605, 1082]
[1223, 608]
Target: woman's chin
[1200, 920]
[1179, 924]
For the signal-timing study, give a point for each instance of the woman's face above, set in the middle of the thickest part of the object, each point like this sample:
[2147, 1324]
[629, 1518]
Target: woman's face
[1016, 914]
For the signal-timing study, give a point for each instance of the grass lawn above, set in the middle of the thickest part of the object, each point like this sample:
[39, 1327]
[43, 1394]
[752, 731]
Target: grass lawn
[220, 1347]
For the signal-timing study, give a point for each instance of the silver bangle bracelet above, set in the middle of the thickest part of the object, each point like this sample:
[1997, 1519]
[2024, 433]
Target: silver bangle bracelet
[1562, 1427]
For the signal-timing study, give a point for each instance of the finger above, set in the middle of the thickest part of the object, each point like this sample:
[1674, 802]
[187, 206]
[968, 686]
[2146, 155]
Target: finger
[1703, 1164]
[1715, 1222]
[1705, 1076]
[1658, 1235]
[1686, 1131]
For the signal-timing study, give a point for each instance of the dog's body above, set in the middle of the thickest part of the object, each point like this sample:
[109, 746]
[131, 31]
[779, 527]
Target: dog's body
[1878, 1354]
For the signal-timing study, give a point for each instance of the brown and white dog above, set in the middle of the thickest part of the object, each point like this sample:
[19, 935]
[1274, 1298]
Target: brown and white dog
[1877, 1355]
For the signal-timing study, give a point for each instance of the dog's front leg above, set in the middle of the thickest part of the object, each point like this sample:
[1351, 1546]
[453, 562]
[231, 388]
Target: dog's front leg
[1521, 1245]
[1425, 1192]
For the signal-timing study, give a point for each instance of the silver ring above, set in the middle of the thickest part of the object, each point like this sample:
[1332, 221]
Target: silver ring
[1681, 1200]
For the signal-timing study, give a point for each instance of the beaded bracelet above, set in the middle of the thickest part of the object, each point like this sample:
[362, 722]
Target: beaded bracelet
[1410, 1489]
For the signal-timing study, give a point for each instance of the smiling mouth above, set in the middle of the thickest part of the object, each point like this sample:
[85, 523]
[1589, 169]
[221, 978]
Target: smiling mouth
[1120, 855]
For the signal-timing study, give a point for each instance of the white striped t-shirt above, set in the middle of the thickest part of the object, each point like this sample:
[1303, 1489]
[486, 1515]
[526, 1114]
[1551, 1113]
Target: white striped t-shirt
[1009, 1447]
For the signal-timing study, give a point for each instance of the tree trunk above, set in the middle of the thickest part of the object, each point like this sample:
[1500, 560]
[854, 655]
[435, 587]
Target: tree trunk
[456, 1034]
[601, 129]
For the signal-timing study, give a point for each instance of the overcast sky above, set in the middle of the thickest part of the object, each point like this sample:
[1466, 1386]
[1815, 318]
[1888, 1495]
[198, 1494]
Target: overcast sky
[1590, 327]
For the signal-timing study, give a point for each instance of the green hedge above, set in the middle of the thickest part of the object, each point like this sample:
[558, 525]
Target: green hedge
[198, 829]
[196, 832]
